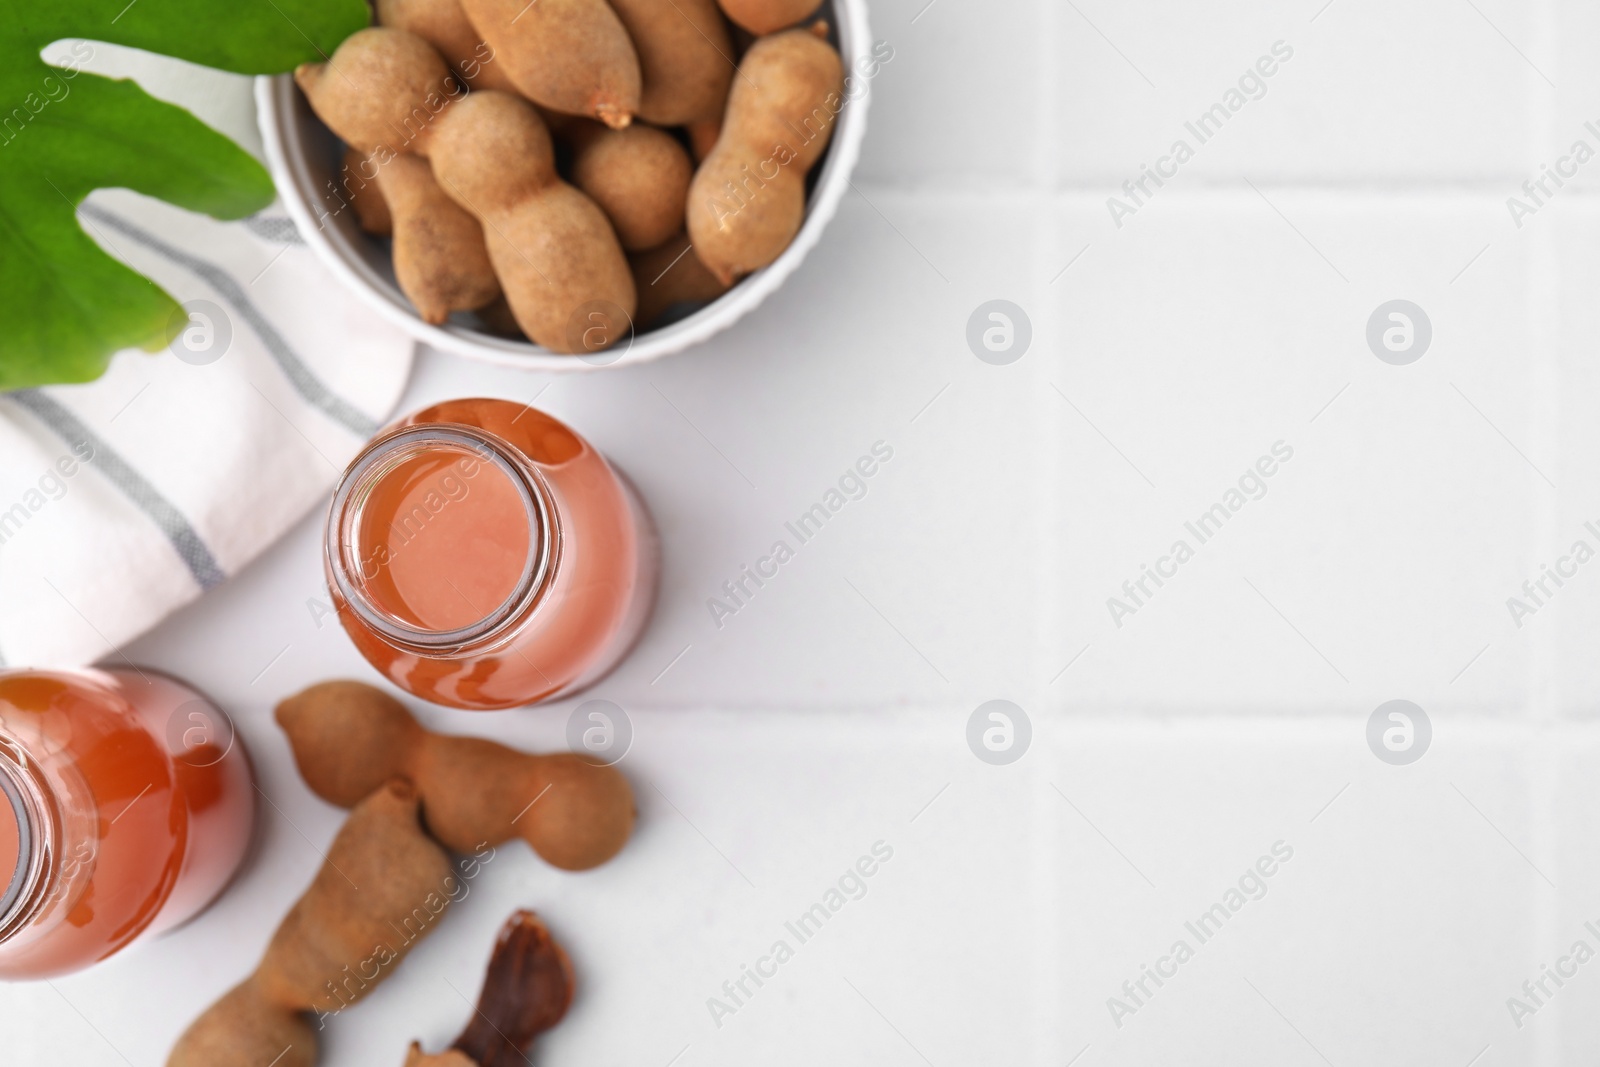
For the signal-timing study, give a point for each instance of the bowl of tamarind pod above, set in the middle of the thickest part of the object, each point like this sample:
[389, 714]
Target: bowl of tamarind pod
[572, 184]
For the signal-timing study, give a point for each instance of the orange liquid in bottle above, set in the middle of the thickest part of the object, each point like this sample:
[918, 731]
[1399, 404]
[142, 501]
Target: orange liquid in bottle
[126, 805]
[483, 555]
[448, 573]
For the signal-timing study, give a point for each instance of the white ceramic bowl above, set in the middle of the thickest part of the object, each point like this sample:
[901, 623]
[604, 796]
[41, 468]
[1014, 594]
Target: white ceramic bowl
[305, 157]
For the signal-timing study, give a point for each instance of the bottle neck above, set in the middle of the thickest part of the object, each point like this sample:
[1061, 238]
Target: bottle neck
[441, 537]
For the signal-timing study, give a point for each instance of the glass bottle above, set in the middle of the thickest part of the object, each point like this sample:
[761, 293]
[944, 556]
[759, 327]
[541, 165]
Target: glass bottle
[126, 805]
[483, 555]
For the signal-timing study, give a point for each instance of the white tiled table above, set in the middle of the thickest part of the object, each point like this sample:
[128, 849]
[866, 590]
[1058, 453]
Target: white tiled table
[1168, 754]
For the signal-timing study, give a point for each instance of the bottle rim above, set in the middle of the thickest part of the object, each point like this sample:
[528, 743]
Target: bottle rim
[26, 798]
[380, 458]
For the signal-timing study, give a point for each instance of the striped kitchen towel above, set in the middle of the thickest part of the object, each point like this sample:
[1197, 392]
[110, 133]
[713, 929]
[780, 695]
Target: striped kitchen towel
[125, 498]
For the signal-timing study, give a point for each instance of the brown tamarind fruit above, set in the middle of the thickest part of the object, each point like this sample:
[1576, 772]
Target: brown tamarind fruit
[357, 178]
[703, 137]
[671, 273]
[347, 737]
[444, 24]
[686, 58]
[450, 1057]
[570, 55]
[243, 1026]
[638, 176]
[383, 885]
[747, 199]
[497, 319]
[762, 17]
[383, 88]
[558, 260]
[440, 259]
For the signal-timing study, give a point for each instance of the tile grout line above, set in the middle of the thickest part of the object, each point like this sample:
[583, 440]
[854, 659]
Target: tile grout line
[1544, 762]
[1543, 304]
[1047, 161]
[1045, 259]
[1095, 188]
[1048, 870]
[1050, 889]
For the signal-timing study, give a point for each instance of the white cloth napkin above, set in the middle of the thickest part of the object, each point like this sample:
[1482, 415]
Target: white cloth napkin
[125, 498]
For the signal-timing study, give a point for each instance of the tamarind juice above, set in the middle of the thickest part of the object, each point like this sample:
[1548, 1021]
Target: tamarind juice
[482, 554]
[126, 805]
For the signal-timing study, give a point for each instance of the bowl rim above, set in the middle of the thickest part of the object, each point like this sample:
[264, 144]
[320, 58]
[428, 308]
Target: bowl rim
[286, 160]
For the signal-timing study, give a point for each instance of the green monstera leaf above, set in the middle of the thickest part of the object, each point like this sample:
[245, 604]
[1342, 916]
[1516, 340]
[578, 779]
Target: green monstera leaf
[66, 306]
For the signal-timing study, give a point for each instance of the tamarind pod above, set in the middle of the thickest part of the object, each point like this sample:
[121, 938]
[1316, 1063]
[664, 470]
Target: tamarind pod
[558, 122]
[557, 257]
[358, 180]
[244, 1028]
[450, 1057]
[440, 259]
[668, 274]
[762, 17]
[558, 260]
[382, 885]
[443, 24]
[345, 736]
[573, 813]
[348, 738]
[747, 199]
[638, 176]
[382, 88]
[498, 320]
[384, 881]
[569, 55]
[703, 136]
[685, 58]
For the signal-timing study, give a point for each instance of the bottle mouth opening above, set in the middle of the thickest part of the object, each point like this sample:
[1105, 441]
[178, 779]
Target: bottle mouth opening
[363, 524]
[24, 842]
